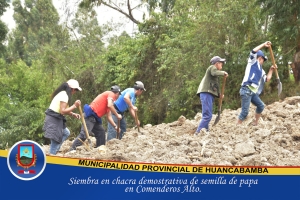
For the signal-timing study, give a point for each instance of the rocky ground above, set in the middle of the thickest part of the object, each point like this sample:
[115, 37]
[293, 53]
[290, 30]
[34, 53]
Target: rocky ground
[274, 142]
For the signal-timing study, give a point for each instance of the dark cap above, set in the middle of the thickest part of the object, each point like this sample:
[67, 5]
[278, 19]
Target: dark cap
[260, 53]
[139, 85]
[217, 59]
[115, 89]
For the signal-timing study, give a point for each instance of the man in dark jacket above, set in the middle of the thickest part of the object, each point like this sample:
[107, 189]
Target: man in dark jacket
[209, 89]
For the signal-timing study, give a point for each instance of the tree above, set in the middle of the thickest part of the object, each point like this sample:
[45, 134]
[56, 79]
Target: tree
[36, 26]
[172, 51]
[115, 5]
[125, 6]
[187, 38]
[283, 25]
[24, 96]
[3, 28]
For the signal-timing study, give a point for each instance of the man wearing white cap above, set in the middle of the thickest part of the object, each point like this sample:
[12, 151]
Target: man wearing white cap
[126, 101]
[209, 89]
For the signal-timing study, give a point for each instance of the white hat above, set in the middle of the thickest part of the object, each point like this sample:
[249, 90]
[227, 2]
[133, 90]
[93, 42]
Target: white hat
[74, 84]
[139, 85]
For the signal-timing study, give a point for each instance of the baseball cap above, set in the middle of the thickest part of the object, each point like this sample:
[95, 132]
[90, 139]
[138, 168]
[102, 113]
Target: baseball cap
[139, 85]
[115, 89]
[260, 53]
[74, 84]
[217, 59]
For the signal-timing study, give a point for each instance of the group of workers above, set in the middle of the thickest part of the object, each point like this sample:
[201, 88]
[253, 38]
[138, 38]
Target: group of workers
[114, 103]
[251, 86]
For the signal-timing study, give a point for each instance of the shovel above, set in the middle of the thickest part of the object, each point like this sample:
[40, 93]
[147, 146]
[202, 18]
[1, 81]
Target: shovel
[89, 142]
[279, 86]
[220, 101]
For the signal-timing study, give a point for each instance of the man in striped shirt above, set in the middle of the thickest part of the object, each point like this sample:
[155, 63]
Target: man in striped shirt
[253, 83]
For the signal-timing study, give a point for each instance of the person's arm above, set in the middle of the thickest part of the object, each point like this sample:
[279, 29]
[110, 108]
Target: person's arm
[215, 72]
[110, 105]
[110, 120]
[128, 102]
[259, 47]
[65, 110]
[132, 108]
[270, 73]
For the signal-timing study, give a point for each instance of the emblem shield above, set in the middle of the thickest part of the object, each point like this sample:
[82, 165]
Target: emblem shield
[26, 157]
[26, 160]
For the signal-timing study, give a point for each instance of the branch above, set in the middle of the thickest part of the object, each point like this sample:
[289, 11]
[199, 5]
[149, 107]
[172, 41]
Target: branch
[73, 33]
[130, 16]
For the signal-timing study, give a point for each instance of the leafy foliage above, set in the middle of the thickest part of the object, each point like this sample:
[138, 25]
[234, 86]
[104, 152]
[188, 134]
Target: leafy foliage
[3, 28]
[37, 25]
[23, 102]
[170, 55]
[282, 21]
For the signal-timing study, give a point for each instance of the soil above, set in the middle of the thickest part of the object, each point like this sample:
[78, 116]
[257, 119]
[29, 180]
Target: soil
[275, 141]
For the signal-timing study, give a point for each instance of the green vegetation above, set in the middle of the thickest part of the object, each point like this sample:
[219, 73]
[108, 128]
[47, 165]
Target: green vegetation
[169, 54]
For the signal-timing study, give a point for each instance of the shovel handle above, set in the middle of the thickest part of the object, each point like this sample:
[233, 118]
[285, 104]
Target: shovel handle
[220, 100]
[222, 93]
[83, 122]
[118, 129]
[273, 61]
[137, 120]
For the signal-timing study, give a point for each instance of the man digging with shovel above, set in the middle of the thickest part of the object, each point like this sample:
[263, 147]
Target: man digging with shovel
[126, 102]
[209, 89]
[102, 105]
[253, 83]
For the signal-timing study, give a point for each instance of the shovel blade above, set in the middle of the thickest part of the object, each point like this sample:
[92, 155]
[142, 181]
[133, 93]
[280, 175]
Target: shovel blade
[217, 119]
[89, 144]
[279, 86]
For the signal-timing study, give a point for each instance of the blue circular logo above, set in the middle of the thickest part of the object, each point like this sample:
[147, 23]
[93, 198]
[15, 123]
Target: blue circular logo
[26, 160]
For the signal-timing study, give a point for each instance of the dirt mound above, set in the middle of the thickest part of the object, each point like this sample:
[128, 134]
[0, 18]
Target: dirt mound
[274, 142]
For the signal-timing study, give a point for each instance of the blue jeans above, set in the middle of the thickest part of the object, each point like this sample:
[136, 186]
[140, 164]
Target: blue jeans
[207, 100]
[249, 97]
[111, 131]
[55, 146]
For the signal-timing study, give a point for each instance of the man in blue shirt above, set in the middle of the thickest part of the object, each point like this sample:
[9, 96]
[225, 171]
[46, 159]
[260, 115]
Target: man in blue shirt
[253, 83]
[126, 101]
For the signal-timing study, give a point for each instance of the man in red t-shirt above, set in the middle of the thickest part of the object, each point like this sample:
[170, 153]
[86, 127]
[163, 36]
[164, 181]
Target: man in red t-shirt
[102, 105]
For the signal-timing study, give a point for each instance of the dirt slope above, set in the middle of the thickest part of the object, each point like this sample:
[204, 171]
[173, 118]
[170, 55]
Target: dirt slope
[274, 142]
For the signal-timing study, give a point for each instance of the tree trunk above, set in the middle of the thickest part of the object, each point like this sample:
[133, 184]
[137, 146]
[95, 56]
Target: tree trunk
[296, 67]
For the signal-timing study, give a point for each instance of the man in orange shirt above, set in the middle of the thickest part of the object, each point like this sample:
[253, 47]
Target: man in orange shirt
[102, 105]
